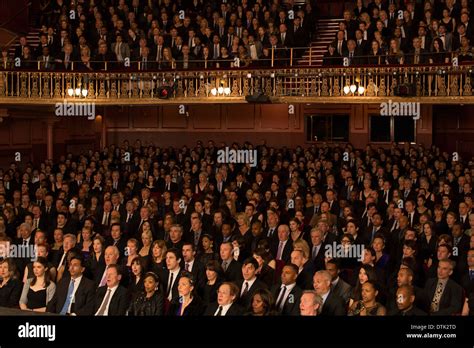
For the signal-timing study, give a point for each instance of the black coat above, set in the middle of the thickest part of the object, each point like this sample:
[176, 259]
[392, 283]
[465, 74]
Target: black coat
[451, 299]
[245, 299]
[333, 306]
[118, 304]
[83, 298]
[143, 306]
[292, 303]
[10, 293]
[195, 308]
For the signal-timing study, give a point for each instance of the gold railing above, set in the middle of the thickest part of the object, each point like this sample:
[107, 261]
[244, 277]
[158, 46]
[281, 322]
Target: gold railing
[433, 84]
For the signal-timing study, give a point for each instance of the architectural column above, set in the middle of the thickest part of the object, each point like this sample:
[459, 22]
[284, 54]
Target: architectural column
[50, 138]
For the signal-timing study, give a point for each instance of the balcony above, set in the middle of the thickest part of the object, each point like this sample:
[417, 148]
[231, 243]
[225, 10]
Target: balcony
[444, 84]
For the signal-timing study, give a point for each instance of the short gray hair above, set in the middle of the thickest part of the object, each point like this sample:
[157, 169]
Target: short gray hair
[316, 300]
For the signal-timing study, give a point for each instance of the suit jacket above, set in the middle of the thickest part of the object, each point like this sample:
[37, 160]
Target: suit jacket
[292, 303]
[286, 254]
[174, 290]
[233, 272]
[234, 309]
[451, 299]
[342, 289]
[118, 304]
[124, 49]
[334, 305]
[245, 299]
[83, 298]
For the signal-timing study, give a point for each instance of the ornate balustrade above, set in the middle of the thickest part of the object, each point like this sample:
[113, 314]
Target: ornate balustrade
[430, 84]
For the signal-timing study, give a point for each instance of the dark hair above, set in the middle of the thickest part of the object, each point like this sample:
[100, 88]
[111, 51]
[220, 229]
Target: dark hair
[189, 275]
[77, 257]
[250, 260]
[267, 299]
[174, 251]
[293, 267]
[214, 266]
[44, 262]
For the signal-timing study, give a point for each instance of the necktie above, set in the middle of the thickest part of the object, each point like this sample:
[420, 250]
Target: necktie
[219, 312]
[129, 217]
[25, 242]
[224, 265]
[104, 303]
[103, 281]
[437, 297]
[186, 267]
[281, 296]
[471, 274]
[270, 232]
[280, 250]
[70, 290]
[170, 284]
[315, 252]
[35, 224]
[246, 289]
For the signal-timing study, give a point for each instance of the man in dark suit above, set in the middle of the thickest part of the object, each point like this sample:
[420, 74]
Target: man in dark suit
[172, 274]
[283, 246]
[116, 239]
[39, 222]
[317, 249]
[250, 284]
[444, 294]
[417, 56]
[338, 286]
[111, 299]
[232, 269]
[25, 241]
[333, 305]
[287, 294]
[195, 267]
[226, 302]
[74, 294]
[340, 43]
[168, 185]
[305, 269]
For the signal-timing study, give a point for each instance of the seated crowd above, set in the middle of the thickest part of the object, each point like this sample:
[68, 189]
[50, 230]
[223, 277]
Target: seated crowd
[176, 232]
[404, 32]
[152, 35]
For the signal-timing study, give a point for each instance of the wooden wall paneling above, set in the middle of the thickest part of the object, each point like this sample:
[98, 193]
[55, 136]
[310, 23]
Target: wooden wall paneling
[274, 116]
[205, 116]
[171, 119]
[240, 116]
[144, 117]
[118, 116]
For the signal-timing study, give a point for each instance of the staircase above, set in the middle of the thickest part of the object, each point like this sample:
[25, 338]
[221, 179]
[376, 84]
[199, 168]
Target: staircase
[326, 33]
[32, 38]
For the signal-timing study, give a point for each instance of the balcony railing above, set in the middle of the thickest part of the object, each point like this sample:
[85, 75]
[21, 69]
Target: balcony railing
[432, 84]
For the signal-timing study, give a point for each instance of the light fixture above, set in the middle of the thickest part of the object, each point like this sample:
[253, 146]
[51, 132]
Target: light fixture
[249, 75]
[227, 91]
[220, 90]
[84, 93]
[78, 91]
[272, 75]
[214, 91]
[361, 89]
[70, 92]
[347, 89]
[353, 88]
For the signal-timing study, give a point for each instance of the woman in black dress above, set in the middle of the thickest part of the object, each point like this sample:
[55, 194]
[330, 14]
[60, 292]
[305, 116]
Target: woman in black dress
[150, 301]
[39, 290]
[375, 54]
[157, 264]
[438, 54]
[207, 252]
[213, 273]
[137, 270]
[188, 303]
[10, 286]
[331, 57]
[96, 262]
